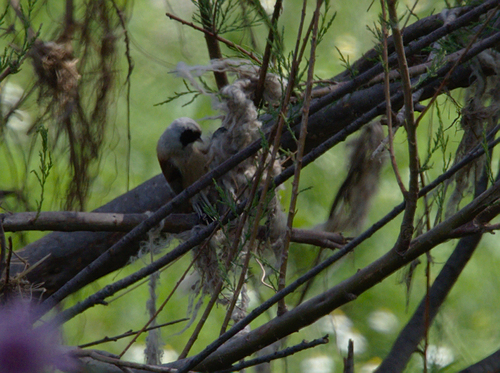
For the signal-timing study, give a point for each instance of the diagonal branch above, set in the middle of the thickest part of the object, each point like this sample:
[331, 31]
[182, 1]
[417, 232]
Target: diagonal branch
[344, 292]
[411, 335]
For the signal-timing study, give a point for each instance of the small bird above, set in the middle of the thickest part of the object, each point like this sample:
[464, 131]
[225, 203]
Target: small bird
[182, 158]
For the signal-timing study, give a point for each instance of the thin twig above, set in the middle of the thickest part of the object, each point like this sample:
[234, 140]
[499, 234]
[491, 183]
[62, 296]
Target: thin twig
[411, 196]
[236, 242]
[3, 247]
[298, 157]
[277, 355]
[7, 264]
[387, 91]
[273, 30]
[120, 363]
[229, 43]
[417, 327]
[128, 81]
[213, 46]
[128, 334]
[349, 360]
[459, 60]
[203, 319]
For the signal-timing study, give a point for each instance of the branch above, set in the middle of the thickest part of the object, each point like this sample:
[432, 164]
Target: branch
[348, 290]
[273, 29]
[207, 20]
[128, 334]
[71, 221]
[349, 360]
[97, 355]
[410, 50]
[411, 196]
[229, 43]
[277, 355]
[411, 335]
[488, 364]
[300, 151]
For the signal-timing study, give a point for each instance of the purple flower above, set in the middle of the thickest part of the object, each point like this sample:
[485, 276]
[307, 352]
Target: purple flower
[24, 349]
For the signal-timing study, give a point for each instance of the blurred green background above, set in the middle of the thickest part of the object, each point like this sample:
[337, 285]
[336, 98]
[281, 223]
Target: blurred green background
[464, 331]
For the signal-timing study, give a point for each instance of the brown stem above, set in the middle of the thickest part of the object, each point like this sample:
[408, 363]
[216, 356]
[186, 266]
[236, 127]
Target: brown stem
[128, 334]
[455, 65]
[229, 43]
[387, 91]
[298, 158]
[273, 29]
[214, 51]
[411, 196]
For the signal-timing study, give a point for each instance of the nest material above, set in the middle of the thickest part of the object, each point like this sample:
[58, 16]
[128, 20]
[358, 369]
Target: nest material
[239, 128]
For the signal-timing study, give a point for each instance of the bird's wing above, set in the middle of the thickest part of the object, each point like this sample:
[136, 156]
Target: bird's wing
[172, 174]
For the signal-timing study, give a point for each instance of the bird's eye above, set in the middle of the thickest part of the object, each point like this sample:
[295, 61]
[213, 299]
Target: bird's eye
[189, 136]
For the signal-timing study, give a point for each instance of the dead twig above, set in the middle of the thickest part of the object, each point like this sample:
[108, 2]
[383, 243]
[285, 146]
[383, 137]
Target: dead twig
[273, 30]
[128, 334]
[387, 91]
[299, 155]
[411, 195]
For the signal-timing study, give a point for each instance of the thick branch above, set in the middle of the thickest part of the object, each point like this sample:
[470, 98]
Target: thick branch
[72, 221]
[346, 291]
[489, 364]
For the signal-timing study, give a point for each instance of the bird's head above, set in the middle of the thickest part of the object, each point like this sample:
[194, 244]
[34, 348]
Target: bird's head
[179, 137]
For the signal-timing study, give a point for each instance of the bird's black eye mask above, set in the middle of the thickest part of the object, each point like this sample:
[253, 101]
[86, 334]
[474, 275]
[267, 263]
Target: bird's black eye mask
[189, 136]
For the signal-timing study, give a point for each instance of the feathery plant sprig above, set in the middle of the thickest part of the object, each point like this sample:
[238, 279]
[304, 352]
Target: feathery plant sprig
[45, 166]
[177, 95]
[13, 58]
[439, 142]
[325, 22]
[226, 16]
[346, 63]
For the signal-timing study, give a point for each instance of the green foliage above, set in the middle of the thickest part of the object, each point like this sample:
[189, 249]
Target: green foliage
[189, 91]
[44, 167]
[346, 63]
[12, 58]
[226, 15]
[325, 22]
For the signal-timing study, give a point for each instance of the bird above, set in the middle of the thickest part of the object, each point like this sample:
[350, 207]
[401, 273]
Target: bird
[184, 158]
[181, 154]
